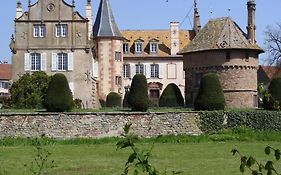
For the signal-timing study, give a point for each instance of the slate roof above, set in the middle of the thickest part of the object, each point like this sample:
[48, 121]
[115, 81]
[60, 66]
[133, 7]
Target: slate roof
[105, 25]
[221, 33]
[163, 37]
[5, 71]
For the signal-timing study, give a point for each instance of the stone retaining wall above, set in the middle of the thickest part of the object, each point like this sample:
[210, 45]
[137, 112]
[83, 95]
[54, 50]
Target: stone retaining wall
[96, 125]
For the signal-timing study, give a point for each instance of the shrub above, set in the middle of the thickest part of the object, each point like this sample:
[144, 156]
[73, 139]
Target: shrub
[138, 98]
[211, 121]
[271, 100]
[113, 100]
[126, 100]
[29, 91]
[77, 103]
[171, 97]
[210, 96]
[58, 96]
[102, 103]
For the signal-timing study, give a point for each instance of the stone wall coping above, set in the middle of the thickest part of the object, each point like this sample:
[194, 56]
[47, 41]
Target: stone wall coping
[88, 113]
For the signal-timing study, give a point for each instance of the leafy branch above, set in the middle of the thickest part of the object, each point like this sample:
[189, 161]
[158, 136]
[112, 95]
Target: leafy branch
[254, 166]
[138, 160]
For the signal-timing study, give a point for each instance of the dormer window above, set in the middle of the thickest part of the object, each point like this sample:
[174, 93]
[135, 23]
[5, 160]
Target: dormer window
[139, 46]
[126, 48]
[153, 46]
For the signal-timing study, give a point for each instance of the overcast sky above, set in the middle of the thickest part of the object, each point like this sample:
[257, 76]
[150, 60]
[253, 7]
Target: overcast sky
[157, 14]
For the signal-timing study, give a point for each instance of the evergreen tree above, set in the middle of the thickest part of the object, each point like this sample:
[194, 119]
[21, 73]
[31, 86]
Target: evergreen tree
[113, 100]
[138, 98]
[210, 96]
[171, 97]
[58, 96]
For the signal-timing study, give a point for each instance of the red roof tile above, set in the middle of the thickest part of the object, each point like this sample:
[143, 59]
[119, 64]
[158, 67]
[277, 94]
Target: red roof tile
[5, 71]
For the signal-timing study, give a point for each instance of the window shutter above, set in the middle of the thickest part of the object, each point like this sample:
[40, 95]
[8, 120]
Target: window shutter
[161, 67]
[70, 61]
[26, 61]
[54, 61]
[133, 70]
[148, 70]
[43, 62]
[95, 69]
[71, 87]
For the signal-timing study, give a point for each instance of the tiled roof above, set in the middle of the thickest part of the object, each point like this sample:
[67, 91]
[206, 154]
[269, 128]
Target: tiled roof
[105, 25]
[267, 73]
[221, 33]
[163, 36]
[5, 71]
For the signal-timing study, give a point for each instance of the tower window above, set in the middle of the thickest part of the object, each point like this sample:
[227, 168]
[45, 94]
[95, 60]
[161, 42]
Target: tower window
[227, 57]
[247, 57]
[118, 80]
[118, 56]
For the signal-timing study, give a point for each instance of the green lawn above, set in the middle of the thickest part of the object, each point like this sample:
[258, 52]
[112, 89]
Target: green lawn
[205, 158]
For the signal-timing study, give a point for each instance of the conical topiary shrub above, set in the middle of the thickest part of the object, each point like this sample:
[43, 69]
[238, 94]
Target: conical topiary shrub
[58, 96]
[138, 98]
[171, 97]
[210, 96]
[113, 100]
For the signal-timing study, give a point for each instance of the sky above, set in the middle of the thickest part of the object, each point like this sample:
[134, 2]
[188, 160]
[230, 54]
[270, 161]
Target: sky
[157, 14]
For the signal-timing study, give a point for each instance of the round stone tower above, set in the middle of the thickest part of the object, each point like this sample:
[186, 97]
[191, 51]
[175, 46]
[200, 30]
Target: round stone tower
[222, 47]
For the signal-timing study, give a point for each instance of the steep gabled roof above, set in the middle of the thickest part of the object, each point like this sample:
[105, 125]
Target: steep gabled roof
[5, 71]
[221, 33]
[105, 25]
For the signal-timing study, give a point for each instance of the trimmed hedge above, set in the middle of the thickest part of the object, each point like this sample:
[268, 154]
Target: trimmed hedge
[214, 121]
[210, 96]
[126, 100]
[171, 97]
[113, 99]
[58, 95]
[138, 98]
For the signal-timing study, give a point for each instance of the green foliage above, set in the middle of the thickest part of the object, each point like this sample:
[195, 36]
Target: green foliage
[138, 160]
[41, 163]
[102, 103]
[272, 96]
[29, 91]
[210, 96]
[58, 96]
[171, 97]
[113, 99]
[211, 121]
[77, 103]
[138, 98]
[126, 100]
[255, 167]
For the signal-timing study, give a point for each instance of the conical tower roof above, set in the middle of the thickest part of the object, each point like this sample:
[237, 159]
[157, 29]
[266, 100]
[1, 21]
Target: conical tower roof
[105, 25]
[221, 33]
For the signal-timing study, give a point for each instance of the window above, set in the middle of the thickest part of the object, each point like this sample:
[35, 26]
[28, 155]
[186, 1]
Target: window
[138, 48]
[61, 30]
[153, 47]
[127, 88]
[126, 68]
[118, 56]
[139, 69]
[154, 71]
[197, 79]
[62, 61]
[4, 85]
[118, 80]
[39, 30]
[126, 48]
[35, 61]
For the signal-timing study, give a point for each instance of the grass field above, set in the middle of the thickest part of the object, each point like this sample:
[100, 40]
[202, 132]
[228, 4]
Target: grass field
[203, 158]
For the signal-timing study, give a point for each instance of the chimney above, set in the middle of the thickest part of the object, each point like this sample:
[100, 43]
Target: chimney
[89, 15]
[251, 28]
[196, 19]
[175, 41]
[19, 10]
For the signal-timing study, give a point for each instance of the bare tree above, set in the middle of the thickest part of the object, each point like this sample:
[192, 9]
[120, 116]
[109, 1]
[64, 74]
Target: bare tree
[273, 43]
